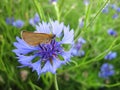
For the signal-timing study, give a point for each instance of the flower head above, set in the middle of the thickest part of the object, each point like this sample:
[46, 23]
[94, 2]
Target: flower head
[118, 9]
[46, 57]
[105, 10]
[76, 50]
[115, 16]
[53, 1]
[81, 40]
[113, 6]
[86, 2]
[112, 32]
[81, 22]
[35, 20]
[81, 53]
[110, 56]
[106, 70]
[10, 21]
[18, 23]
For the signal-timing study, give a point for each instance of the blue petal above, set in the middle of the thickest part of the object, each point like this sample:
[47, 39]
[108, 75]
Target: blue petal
[110, 55]
[31, 21]
[68, 36]
[25, 60]
[21, 51]
[23, 47]
[86, 2]
[57, 28]
[112, 72]
[18, 23]
[36, 18]
[66, 56]
[118, 9]
[112, 32]
[105, 65]
[36, 67]
[43, 28]
[81, 53]
[113, 6]
[48, 68]
[81, 40]
[57, 63]
[74, 52]
[103, 75]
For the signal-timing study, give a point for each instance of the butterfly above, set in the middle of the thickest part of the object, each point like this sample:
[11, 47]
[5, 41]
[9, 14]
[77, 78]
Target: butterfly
[34, 39]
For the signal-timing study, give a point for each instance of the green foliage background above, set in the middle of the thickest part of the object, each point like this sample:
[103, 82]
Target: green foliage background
[82, 72]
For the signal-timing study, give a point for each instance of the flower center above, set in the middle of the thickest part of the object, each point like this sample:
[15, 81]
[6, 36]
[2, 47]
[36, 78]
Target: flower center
[48, 51]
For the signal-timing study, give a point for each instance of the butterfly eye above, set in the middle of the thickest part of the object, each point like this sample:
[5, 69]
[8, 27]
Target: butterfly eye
[53, 36]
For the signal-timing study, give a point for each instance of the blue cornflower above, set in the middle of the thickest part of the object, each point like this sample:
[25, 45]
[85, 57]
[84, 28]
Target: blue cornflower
[86, 2]
[35, 20]
[81, 22]
[105, 10]
[111, 55]
[78, 53]
[118, 9]
[46, 57]
[18, 23]
[81, 53]
[76, 50]
[112, 32]
[10, 21]
[81, 40]
[113, 6]
[115, 16]
[53, 1]
[106, 70]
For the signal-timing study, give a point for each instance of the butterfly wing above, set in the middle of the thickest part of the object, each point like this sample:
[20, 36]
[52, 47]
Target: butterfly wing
[36, 38]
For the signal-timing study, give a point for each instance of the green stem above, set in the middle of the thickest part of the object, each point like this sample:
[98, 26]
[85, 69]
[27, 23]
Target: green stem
[86, 18]
[39, 9]
[2, 51]
[57, 11]
[56, 84]
[99, 11]
[112, 85]
[97, 58]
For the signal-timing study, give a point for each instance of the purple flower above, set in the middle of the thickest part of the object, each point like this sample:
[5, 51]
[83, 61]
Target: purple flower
[112, 32]
[106, 70]
[115, 16]
[10, 21]
[18, 23]
[35, 20]
[110, 55]
[45, 57]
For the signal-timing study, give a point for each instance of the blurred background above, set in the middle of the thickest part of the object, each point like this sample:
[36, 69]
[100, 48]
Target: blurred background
[94, 66]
